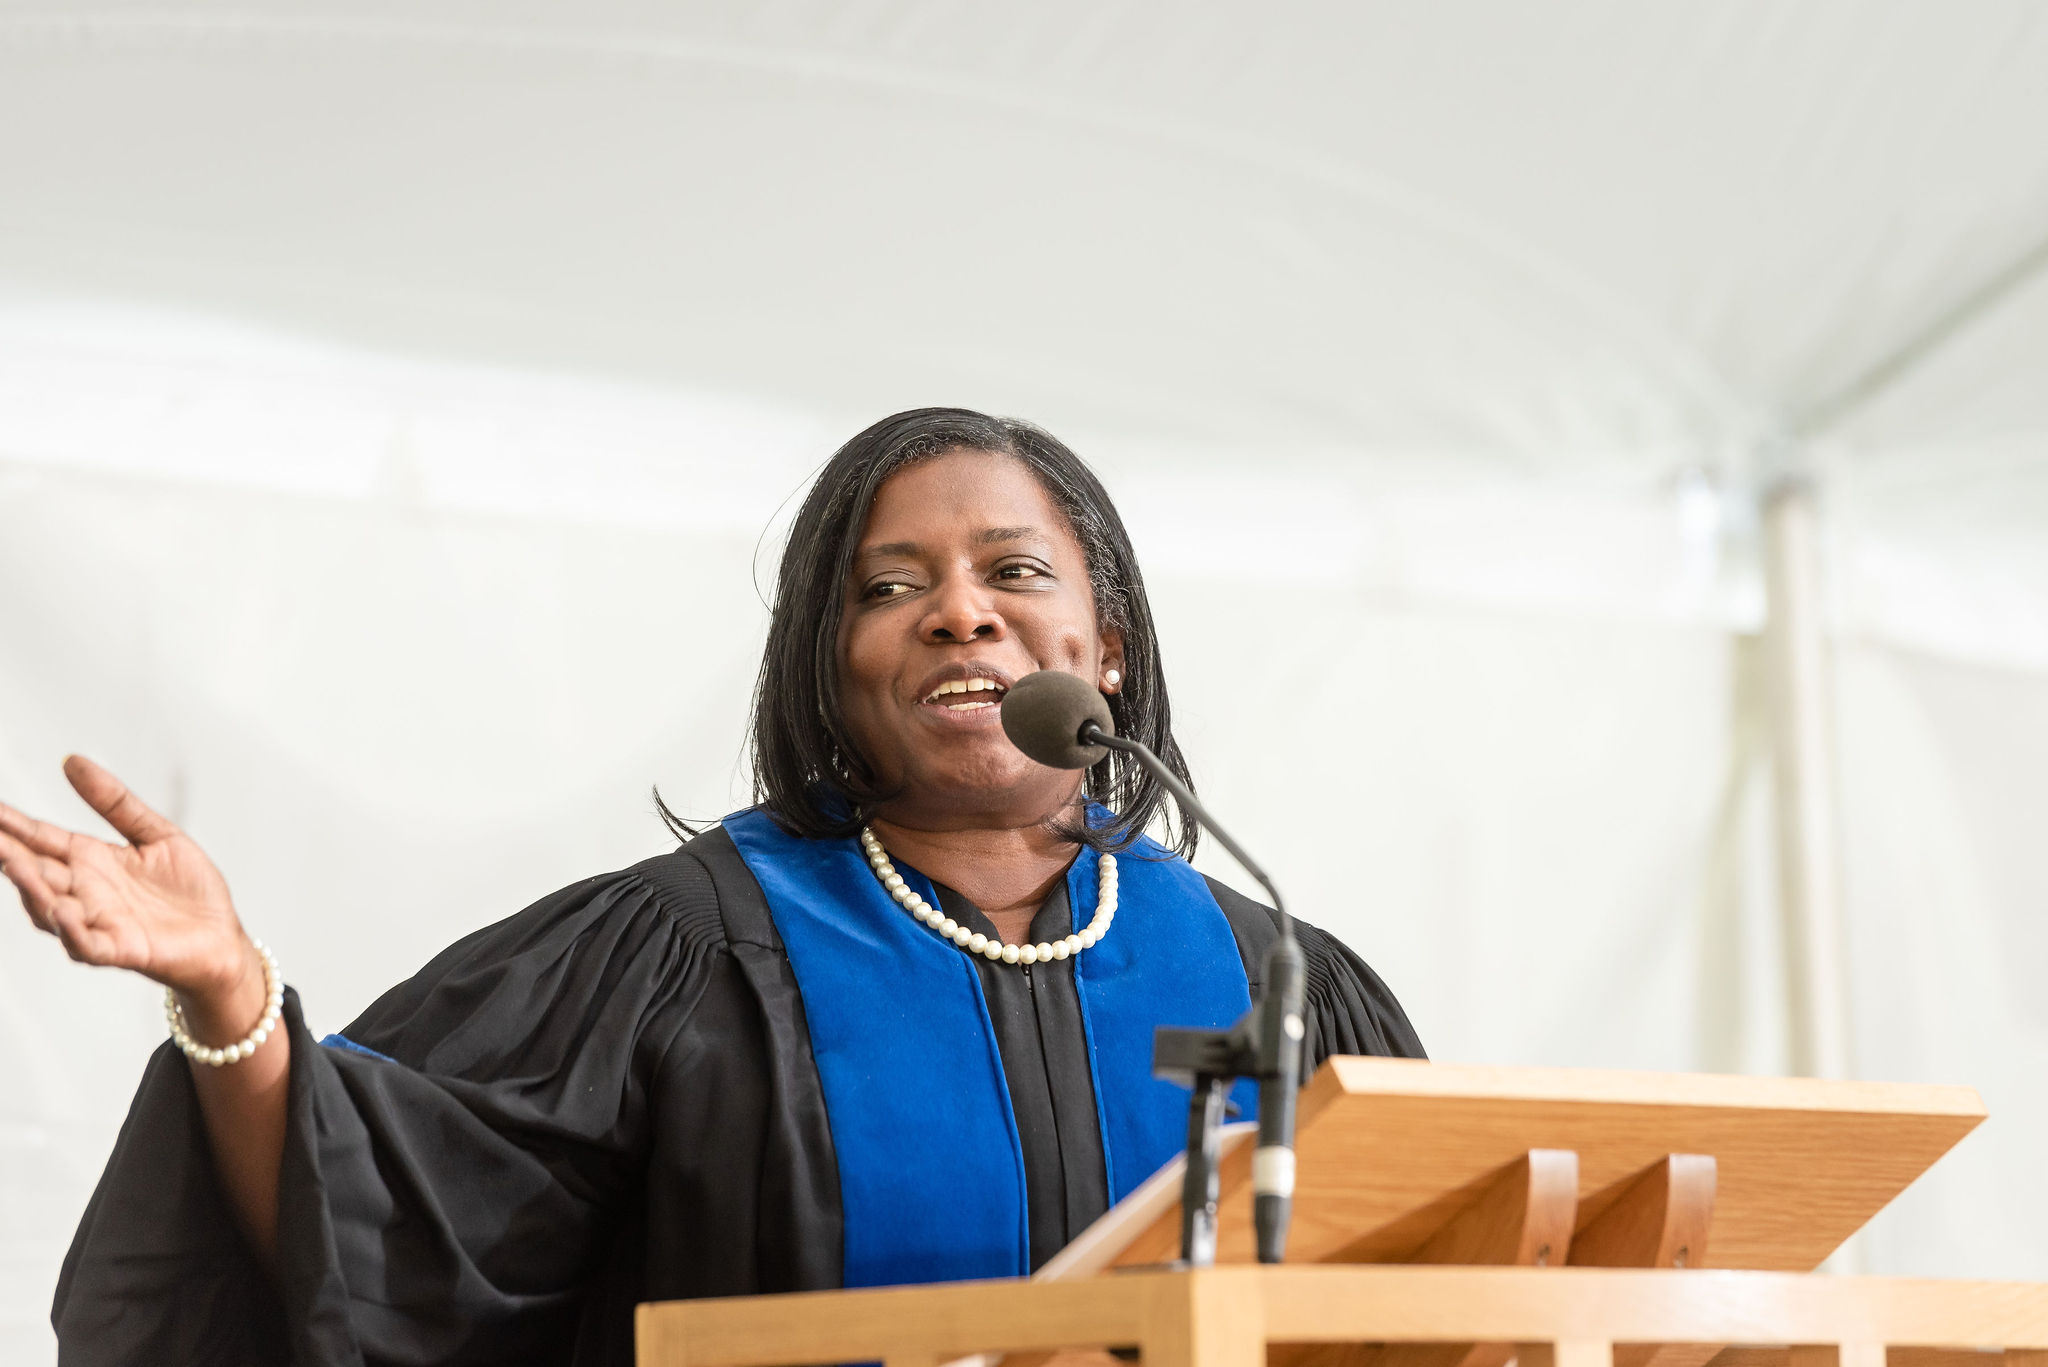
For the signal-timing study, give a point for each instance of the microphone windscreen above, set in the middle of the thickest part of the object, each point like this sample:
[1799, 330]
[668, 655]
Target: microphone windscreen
[1043, 714]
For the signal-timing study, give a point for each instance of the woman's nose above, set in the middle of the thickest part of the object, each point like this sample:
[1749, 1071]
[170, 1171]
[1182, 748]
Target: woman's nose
[962, 610]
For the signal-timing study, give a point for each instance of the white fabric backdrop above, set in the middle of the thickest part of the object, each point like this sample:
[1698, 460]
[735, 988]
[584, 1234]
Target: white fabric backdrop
[393, 399]
[390, 728]
[392, 722]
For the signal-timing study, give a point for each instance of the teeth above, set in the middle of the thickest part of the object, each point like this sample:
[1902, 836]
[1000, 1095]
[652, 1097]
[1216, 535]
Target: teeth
[965, 686]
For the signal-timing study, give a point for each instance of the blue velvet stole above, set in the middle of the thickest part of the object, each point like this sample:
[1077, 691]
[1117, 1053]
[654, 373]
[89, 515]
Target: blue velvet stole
[931, 1174]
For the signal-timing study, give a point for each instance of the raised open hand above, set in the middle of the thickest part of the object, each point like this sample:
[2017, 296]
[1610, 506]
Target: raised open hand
[156, 905]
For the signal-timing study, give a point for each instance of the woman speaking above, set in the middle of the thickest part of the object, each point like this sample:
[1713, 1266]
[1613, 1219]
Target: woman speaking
[893, 1023]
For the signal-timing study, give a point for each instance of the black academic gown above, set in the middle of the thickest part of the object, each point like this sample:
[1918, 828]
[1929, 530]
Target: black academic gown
[605, 1099]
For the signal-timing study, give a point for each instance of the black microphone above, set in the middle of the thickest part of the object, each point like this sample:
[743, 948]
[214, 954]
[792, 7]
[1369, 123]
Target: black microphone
[1061, 721]
[1043, 714]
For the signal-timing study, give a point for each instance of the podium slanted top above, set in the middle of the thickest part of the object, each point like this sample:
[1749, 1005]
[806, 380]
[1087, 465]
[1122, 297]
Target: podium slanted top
[1387, 1149]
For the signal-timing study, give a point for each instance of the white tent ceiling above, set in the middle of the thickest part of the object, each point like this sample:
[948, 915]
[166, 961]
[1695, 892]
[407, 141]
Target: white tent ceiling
[1590, 247]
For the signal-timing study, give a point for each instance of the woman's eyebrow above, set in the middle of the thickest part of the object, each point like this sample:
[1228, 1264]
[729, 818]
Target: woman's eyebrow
[987, 536]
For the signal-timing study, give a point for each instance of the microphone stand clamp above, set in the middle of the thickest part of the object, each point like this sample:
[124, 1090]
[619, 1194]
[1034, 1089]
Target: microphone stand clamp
[1261, 1046]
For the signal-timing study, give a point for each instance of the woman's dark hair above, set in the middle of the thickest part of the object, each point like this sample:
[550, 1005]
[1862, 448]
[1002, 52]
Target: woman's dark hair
[808, 773]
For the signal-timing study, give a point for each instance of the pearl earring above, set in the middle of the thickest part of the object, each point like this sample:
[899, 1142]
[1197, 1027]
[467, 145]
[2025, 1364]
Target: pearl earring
[1111, 677]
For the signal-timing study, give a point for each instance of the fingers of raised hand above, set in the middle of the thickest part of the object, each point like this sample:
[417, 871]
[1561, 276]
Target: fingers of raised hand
[25, 869]
[44, 857]
[83, 940]
[112, 799]
[40, 836]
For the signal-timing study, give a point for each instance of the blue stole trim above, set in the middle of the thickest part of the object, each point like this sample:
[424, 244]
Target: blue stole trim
[931, 1173]
[345, 1043]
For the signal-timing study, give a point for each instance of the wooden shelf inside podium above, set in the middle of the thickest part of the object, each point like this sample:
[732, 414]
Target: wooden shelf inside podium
[1389, 1151]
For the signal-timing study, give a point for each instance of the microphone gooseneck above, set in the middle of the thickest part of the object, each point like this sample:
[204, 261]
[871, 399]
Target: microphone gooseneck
[1065, 723]
[1278, 1030]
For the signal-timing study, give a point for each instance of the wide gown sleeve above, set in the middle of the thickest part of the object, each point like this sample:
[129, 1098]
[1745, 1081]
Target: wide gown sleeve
[1352, 1010]
[448, 1185]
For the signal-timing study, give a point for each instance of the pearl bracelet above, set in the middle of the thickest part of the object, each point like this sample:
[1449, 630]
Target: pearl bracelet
[273, 1009]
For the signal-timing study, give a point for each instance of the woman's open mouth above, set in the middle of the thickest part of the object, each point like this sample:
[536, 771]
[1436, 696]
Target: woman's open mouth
[966, 695]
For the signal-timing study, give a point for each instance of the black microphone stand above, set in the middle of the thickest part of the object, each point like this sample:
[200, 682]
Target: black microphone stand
[1266, 1044]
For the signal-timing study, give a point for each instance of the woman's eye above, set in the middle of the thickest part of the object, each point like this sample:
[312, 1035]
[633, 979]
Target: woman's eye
[1019, 572]
[886, 589]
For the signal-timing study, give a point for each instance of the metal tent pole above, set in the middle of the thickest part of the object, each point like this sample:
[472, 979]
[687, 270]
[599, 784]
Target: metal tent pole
[1809, 852]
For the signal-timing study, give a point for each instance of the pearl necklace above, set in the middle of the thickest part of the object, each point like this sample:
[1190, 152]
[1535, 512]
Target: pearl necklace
[973, 941]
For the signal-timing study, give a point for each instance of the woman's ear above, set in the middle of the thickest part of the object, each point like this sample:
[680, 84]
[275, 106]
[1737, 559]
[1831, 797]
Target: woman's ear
[1109, 677]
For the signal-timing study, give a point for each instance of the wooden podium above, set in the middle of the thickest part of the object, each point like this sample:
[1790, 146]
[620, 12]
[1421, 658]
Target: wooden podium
[1452, 1216]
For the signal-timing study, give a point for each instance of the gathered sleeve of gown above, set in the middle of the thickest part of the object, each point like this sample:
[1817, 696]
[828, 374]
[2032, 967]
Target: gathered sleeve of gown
[452, 1173]
[1350, 1010]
